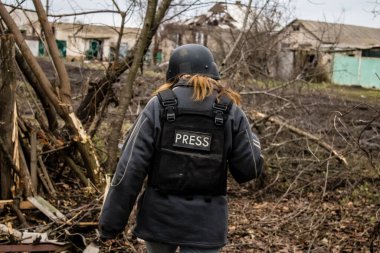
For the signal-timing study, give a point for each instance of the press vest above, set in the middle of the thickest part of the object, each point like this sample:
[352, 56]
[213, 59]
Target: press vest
[190, 156]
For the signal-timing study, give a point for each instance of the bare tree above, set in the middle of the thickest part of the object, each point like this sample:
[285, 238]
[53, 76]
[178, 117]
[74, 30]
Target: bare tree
[239, 38]
[256, 45]
[113, 138]
[98, 90]
[61, 100]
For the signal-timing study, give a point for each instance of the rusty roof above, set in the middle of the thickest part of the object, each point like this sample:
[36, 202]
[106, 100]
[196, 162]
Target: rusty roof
[342, 35]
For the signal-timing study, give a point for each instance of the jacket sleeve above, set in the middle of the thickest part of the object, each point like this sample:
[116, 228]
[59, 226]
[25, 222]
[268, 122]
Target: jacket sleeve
[246, 162]
[129, 176]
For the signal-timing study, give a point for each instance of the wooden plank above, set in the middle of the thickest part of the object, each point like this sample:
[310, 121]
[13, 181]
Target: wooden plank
[23, 204]
[33, 160]
[29, 190]
[46, 208]
[32, 248]
[82, 223]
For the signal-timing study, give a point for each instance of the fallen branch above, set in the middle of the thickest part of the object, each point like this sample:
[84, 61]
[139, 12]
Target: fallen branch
[77, 170]
[25, 179]
[44, 174]
[20, 215]
[298, 131]
[43, 181]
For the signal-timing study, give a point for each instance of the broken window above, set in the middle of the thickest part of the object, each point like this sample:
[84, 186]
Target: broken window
[373, 52]
[285, 45]
[199, 38]
[310, 58]
[296, 27]
[62, 45]
[123, 52]
[95, 50]
[178, 39]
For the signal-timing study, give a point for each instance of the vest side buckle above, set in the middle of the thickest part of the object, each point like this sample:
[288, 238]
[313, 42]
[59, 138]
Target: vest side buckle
[218, 118]
[169, 102]
[220, 107]
[170, 114]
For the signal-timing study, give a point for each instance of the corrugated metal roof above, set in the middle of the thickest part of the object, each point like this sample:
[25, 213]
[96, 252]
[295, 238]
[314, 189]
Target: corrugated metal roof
[342, 35]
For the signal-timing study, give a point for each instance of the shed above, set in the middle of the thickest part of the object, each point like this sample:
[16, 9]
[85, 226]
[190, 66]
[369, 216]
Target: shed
[349, 54]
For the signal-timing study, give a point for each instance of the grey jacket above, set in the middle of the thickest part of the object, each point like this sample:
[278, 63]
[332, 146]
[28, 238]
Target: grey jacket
[168, 218]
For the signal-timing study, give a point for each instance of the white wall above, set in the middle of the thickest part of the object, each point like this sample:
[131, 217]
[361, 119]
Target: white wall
[33, 45]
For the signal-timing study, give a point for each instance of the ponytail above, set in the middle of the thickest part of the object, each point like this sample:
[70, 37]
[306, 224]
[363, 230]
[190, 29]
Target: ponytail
[203, 87]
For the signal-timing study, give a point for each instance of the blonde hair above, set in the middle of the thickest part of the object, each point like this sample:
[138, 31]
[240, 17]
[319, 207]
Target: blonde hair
[203, 87]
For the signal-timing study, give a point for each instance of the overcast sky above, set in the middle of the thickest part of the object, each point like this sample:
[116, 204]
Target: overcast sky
[355, 12]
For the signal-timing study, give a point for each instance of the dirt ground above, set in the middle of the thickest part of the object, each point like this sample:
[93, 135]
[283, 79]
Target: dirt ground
[312, 202]
[308, 202]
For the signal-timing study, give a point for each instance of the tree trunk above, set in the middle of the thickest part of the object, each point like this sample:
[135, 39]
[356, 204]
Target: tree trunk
[7, 105]
[51, 115]
[238, 40]
[116, 125]
[121, 33]
[62, 104]
[64, 83]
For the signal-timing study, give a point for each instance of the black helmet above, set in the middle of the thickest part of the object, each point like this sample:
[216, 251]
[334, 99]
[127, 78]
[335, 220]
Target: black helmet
[192, 59]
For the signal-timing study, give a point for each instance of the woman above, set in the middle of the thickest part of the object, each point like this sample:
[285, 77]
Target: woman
[184, 140]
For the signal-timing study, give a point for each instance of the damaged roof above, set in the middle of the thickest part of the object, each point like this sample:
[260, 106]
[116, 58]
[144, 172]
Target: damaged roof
[224, 15]
[342, 35]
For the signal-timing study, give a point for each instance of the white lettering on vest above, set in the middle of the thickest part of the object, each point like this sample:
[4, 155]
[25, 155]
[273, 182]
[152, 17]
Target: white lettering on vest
[199, 141]
[178, 136]
[192, 140]
[185, 138]
[206, 141]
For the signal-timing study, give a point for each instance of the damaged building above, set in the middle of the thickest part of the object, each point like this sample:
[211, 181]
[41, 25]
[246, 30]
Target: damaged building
[76, 41]
[337, 53]
[92, 42]
[217, 29]
[27, 22]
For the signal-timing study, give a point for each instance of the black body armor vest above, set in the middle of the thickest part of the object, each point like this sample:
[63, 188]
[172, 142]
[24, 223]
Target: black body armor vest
[190, 157]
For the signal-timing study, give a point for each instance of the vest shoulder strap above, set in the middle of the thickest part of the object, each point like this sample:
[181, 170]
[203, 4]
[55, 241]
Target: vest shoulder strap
[167, 98]
[221, 109]
[224, 104]
[169, 101]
